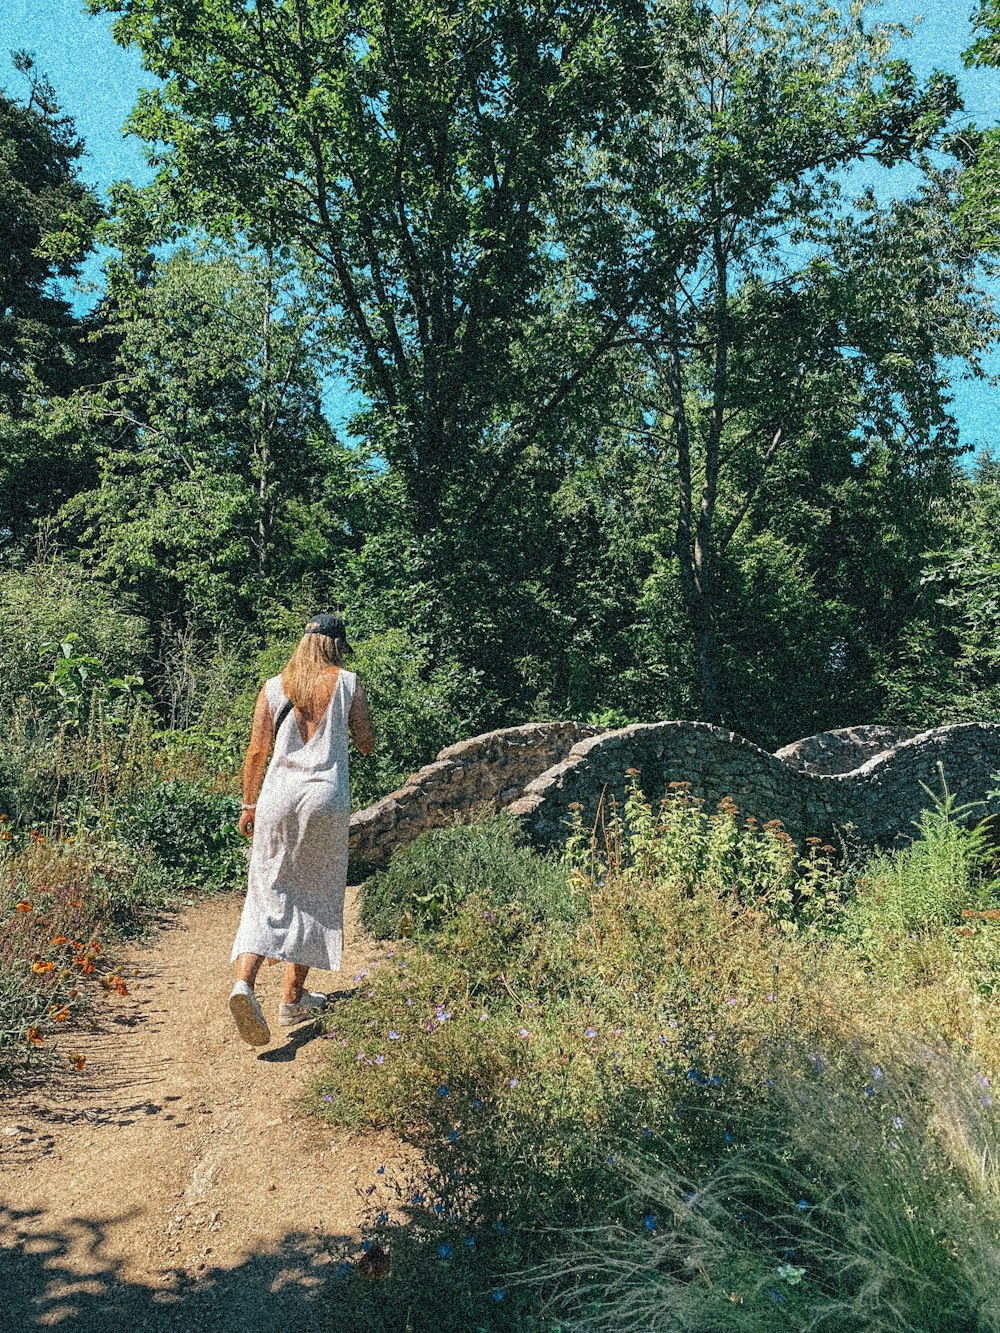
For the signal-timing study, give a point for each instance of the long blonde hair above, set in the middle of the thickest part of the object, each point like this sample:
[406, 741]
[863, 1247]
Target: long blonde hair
[316, 654]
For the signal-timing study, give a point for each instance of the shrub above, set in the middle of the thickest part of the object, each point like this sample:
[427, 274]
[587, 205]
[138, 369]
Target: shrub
[191, 834]
[928, 884]
[429, 877]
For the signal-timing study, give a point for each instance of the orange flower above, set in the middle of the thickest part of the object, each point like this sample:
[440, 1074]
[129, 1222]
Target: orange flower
[78, 1061]
[74, 902]
[60, 1015]
[6, 836]
[36, 836]
[95, 946]
[24, 905]
[119, 985]
[86, 965]
[35, 1036]
[4, 819]
[60, 939]
[42, 965]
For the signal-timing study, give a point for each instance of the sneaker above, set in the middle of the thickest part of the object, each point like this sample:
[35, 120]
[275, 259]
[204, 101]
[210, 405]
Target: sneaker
[310, 1003]
[245, 1009]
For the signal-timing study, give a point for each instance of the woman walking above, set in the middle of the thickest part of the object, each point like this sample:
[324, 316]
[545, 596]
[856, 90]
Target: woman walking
[298, 816]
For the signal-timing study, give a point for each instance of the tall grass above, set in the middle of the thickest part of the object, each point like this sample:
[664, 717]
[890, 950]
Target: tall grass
[691, 1094]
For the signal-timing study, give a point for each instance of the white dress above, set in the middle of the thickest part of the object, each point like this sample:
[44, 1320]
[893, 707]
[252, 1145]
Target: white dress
[294, 908]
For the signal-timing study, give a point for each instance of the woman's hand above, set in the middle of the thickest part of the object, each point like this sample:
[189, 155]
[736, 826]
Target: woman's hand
[246, 823]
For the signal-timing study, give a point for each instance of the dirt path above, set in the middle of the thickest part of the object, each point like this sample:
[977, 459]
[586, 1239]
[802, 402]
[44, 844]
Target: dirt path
[173, 1184]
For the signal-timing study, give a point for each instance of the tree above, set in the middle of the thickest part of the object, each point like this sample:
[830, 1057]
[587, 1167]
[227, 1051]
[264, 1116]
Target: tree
[798, 330]
[411, 153]
[221, 484]
[48, 219]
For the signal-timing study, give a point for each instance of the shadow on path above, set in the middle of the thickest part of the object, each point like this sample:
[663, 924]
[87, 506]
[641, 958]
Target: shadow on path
[66, 1280]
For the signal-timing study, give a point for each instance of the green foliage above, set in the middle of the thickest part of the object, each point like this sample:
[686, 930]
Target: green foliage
[436, 872]
[49, 602]
[190, 833]
[689, 1100]
[928, 884]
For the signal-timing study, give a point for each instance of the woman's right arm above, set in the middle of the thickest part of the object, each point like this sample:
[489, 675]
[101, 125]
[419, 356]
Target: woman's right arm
[255, 764]
[359, 721]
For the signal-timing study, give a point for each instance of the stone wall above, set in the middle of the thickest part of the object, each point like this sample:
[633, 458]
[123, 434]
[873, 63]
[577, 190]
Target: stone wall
[842, 751]
[877, 801]
[485, 772]
[537, 771]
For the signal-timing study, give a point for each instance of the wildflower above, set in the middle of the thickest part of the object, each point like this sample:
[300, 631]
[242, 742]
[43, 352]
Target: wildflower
[672, 1023]
[59, 939]
[729, 1136]
[442, 1014]
[41, 967]
[647, 1133]
[78, 1062]
[771, 998]
[897, 1122]
[499, 1293]
[477, 1104]
[803, 1205]
[342, 1270]
[776, 1296]
[444, 1251]
[489, 916]
[74, 902]
[470, 1243]
[393, 1035]
[500, 1228]
[380, 1059]
[453, 1136]
[649, 1222]
[515, 1082]
[443, 1090]
[523, 1032]
[35, 1036]
[380, 1171]
[731, 1000]
[382, 1219]
[418, 1198]
[589, 1033]
[876, 1073]
[23, 906]
[59, 1015]
[328, 1096]
[483, 1017]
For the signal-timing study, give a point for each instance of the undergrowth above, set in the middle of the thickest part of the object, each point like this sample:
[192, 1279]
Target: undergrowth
[691, 1085]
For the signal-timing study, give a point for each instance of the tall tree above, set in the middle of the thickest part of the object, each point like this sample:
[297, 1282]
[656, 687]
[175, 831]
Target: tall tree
[798, 326]
[48, 218]
[412, 152]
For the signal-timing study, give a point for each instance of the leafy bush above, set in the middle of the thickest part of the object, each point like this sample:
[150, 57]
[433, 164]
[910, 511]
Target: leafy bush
[190, 833]
[429, 877]
[929, 883]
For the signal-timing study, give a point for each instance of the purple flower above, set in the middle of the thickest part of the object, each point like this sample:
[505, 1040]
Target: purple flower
[897, 1122]
[382, 1219]
[876, 1073]
[488, 916]
[771, 998]
[515, 1082]
[589, 1033]
[393, 1035]
[327, 1097]
[443, 1090]
[524, 1033]
[380, 1059]
[483, 1017]
[731, 1000]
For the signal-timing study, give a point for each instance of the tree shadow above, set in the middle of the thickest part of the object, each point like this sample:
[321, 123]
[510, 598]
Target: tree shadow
[67, 1280]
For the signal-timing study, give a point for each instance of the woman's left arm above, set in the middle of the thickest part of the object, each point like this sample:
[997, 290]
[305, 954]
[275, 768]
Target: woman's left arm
[261, 740]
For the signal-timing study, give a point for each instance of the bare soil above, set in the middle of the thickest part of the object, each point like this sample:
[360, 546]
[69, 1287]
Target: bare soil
[176, 1183]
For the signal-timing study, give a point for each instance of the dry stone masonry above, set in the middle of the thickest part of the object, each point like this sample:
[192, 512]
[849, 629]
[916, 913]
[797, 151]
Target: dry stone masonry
[866, 781]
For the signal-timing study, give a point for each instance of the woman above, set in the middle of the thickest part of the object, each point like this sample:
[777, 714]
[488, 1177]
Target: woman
[298, 819]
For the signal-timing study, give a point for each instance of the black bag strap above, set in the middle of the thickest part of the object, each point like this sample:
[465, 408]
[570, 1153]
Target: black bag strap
[286, 708]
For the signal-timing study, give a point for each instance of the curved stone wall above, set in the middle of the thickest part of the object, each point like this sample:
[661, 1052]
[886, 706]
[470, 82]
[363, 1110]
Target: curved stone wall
[842, 751]
[485, 772]
[537, 771]
[876, 802]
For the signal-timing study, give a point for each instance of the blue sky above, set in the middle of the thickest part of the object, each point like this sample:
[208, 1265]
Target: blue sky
[96, 82]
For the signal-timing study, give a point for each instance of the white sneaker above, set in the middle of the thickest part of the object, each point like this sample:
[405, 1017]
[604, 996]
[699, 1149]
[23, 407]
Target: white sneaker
[310, 1003]
[245, 1009]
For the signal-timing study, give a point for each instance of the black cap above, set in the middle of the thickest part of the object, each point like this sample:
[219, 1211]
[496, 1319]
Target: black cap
[330, 625]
